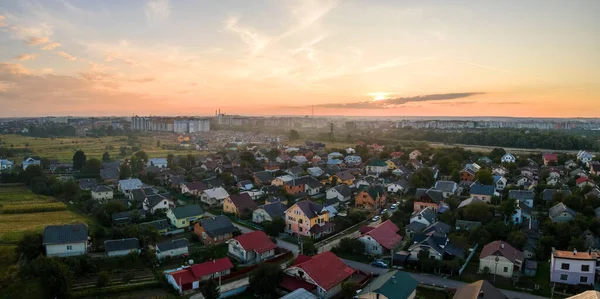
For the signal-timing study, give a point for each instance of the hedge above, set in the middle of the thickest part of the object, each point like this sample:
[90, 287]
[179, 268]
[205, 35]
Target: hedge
[115, 289]
[33, 208]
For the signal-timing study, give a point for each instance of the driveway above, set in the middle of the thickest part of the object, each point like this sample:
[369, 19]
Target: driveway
[364, 267]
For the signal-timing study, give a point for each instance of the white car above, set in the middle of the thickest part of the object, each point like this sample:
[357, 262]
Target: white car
[376, 218]
[394, 206]
[383, 211]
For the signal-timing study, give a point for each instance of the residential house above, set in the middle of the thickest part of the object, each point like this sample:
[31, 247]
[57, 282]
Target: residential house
[391, 285]
[6, 165]
[172, 248]
[414, 155]
[301, 160]
[448, 188]
[214, 230]
[485, 160]
[571, 164]
[340, 192]
[522, 212]
[262, 178]
[373, 197]
[398, 187]
[499, 170]
[376, 166]
[102, 193]
[161, 225]
[426, 216]
[283, 159]
[483, 192]
[391, 164]
[561, 213]
[583, 182]
[308, 218]
[594, 169]
[412, 228]
[126, 186]
[434, 240]
[480, 289]
[525, 180]
[500, 258]
[252, 248]
[65, 240]
[122, 218]
[524, 196]
[156, 202]
[352, 160]
[508, 158]
[335, 155]
[122, 247]
[276, 198]
[295, 172]
[350, 151]
[548, 194]
[31, 160]
[110, 175]
[239, 204]
[572, 267]
[272, 167]
[323, 274]
[466, 225]
[214, 196]
[428, 198]
[500, 183]
[531, 229]
[467, 175]
[586, 295]
[184, 216]
[157, 162]
[193, 188]
[282, 180]
[245, 185]
[307, 184]
[402, 171]
[189, 278]
[550, 158]
[268, 212]
[469, 201]
[315, 171]
[87, 184]
[343, 177]
[382, 239]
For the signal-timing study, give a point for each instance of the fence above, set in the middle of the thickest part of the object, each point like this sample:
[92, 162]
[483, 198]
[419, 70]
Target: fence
[248, 224]
[233, 292]
[460, 271]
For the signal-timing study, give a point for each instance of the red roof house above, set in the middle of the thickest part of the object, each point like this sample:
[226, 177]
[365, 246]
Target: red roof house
[252, 248]
[583, 181]
[325, 270]
[381, 239]
[548, 157]
[188, 278]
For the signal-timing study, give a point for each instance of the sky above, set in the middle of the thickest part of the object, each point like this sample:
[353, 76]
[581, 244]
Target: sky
[535, 58]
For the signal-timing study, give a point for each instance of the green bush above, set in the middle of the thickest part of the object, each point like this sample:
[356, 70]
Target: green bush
[33, 208]
[114, 289]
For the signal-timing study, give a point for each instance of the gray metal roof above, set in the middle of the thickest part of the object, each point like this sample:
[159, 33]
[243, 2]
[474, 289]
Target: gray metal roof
[68, 233]
[172, 244]
[275, 209]
[122, 244]
[102, 188]
[521, 194]
[158, 224]
[217, 226]
[446, 186]
[187, 211]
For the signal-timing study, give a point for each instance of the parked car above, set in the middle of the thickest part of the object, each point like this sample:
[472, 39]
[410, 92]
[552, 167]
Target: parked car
[379, 264]
[394, 206]
[384, 211]
[376, 218]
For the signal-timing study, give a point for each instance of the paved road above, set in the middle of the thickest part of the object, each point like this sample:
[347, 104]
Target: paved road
[434, 280]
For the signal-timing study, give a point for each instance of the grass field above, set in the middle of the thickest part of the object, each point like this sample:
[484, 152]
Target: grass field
[64, 148]
[13, 226]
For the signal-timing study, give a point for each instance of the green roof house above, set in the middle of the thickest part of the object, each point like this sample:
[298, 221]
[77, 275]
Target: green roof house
[184, 216]
[394, 284]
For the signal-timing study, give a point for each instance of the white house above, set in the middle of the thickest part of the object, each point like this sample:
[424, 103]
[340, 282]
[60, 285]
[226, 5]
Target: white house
[102, 193]
[121, 247]
[342, 192]
[155, 202]
[6, 164]
[252, 248]
[426, 216]
[268, 212]
[584, 157]
[400, 187]
[352, 159]
[31, 160]
[508, 158]
[500, 259]
[414, 155]
[172, 248]
[65, 240]
[572, 267]
[335, 155]
[350, 151]
[157, 162]
[214, 196]
[500, 183]
[381, 239]
[126, 186]
[188, 278]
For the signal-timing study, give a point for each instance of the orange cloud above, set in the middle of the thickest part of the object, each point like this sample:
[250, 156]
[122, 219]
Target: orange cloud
[2, 24]
[67, 56]
[34, 41]
[24, 57]
[13, 69]
[50, 46]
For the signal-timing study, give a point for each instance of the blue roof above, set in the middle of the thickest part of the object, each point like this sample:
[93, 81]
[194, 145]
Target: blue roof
[483, 189]
[497, 178]
[334, 162]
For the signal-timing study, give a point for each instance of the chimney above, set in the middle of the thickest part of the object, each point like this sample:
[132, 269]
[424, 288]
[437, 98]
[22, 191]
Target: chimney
[575, 251]
[502, 245]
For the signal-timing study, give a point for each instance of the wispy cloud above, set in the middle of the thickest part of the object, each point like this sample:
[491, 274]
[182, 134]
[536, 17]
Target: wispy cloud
[67, 56]
[157, 10]
[393, 102]
[50, 46]
[2, 23]
[36, 40]
[13, 69]
[24, 57]
[256, 41]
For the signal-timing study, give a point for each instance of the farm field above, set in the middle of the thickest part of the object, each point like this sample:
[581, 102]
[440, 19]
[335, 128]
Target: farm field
[28, 212]
[63, 148]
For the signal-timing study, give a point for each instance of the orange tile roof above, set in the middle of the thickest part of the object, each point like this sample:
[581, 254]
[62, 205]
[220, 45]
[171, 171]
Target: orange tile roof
[574, 255]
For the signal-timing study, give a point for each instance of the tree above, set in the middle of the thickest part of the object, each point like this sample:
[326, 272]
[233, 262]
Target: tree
[308, 247]
[30, 246]
[105, 157]
[275, 227]
[142, 156]
[56, 277]
[210, 289]
[517, 239]
[294, 135]
[350, 246]
[125, 171]
[477, 212]
[103, 279]
[508, 207]
[485, 177]
[92, 167]
[265, 279]
[349, 289]
[79, 160]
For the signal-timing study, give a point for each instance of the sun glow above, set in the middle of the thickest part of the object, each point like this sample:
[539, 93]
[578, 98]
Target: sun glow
[379, 96]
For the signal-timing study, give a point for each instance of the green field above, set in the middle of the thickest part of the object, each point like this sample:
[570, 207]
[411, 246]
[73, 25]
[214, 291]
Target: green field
[64, 148]
[14, 225]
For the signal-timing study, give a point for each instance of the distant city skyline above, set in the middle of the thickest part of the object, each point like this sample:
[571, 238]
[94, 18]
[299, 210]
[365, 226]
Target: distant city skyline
[386, 58]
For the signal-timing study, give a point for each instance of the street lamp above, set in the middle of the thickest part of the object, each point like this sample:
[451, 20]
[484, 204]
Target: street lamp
[497, 259]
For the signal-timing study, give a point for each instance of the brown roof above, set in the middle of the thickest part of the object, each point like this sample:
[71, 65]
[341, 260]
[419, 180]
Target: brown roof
[243, 201]
[474, 290]
[503, 249]
[587, 295]
[573, 255]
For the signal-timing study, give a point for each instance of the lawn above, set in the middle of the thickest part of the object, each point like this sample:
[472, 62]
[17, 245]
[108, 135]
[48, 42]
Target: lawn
[64, 148]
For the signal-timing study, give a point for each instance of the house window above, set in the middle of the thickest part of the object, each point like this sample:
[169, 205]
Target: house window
[300, 221]
[598, 263]
[585, 268]
[182, 221]
[583, 279]
[69, 247]
[505, 269]
[565, 266]
[300, 229]
[289, 226]
[374, 247]
[564, 277]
